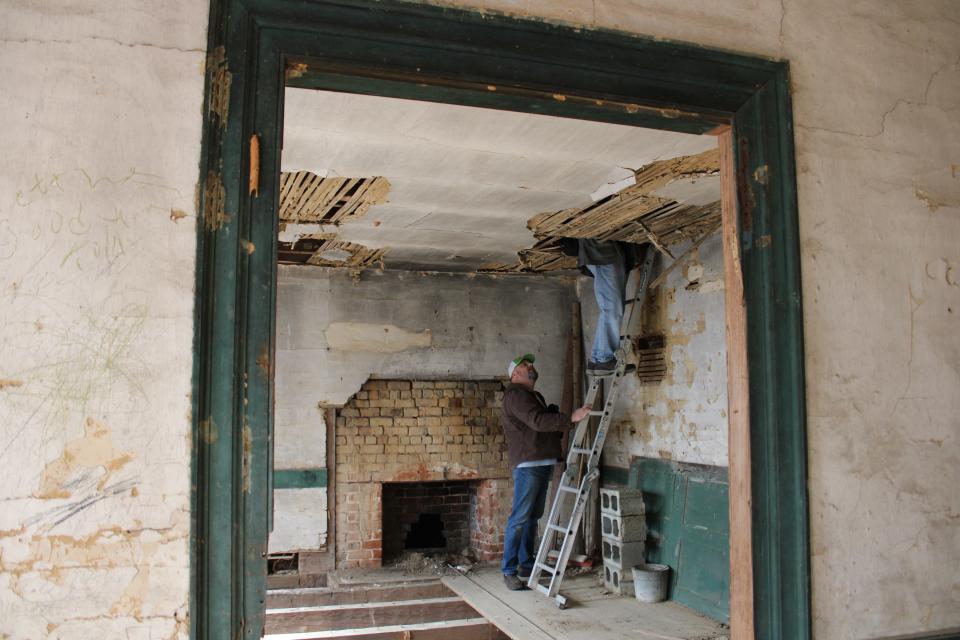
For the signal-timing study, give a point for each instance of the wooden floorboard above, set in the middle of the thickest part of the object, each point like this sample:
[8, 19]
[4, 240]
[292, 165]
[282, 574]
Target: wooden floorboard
[469, 629]
[315, 597]
[371, 614]
[593, 613]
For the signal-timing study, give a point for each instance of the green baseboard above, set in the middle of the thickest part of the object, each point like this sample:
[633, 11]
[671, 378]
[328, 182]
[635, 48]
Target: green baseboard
[688, 530]
[299, 478]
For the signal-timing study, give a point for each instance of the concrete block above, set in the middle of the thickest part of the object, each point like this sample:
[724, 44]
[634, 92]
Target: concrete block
[621, 501]
[622, 554]
[623, 528]
[617, 581]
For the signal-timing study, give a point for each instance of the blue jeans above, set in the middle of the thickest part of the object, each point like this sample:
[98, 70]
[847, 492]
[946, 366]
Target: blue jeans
[609, 283]
[520, 537]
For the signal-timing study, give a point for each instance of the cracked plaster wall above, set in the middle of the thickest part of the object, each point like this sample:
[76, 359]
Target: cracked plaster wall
[102, 111]
[102, 104]
[334, 332]
[876, 94]
[684, 417]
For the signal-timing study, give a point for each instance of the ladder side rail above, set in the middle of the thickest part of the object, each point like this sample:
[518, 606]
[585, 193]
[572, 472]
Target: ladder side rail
[643, 281]
[572, 529]
[579, 434]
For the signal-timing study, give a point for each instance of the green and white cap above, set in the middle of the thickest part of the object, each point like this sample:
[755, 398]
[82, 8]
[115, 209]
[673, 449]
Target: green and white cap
[527, 357]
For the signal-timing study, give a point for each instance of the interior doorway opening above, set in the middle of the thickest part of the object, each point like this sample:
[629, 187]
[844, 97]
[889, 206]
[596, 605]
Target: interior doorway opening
[510, 62]
[410, 235]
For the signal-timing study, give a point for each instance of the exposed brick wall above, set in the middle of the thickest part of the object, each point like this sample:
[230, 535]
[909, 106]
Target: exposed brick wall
[418, 431]
[492, 503]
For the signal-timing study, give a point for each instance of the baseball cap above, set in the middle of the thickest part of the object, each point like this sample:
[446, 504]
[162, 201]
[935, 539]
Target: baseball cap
[527, 357]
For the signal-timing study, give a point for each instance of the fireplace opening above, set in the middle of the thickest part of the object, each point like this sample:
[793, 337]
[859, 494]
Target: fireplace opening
[426, 533]
[428, 517]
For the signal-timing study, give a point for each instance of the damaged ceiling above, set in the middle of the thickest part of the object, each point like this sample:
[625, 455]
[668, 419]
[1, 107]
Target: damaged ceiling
[380, 182]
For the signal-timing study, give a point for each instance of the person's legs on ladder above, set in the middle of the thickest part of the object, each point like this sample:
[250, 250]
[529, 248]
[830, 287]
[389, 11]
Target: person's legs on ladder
[609, 281]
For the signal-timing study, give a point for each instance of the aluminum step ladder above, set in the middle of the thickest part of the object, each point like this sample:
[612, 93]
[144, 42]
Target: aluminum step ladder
[569, 487]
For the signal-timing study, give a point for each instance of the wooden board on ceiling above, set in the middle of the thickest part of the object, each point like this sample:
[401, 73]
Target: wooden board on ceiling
[306, 197]
[634, 213]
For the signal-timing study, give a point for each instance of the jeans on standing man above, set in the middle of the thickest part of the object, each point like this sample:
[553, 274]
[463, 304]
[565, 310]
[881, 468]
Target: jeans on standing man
[529, 498]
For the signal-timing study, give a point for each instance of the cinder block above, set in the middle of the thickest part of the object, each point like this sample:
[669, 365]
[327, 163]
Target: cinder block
[617, 581]
[622, 554]
[621, 502]
[623, 528]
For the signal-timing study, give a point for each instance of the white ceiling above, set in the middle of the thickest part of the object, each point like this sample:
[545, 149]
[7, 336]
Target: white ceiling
[464, 180]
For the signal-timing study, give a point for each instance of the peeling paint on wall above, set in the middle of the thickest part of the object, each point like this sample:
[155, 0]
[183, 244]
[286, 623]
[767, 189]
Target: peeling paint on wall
[683, 418]
[376, 338]
[92, 456]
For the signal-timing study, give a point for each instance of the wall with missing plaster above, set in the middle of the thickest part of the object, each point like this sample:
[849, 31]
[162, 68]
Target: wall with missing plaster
[96, 275]
[684, 417]
[875, 90]
[334, 332]
[102, 107]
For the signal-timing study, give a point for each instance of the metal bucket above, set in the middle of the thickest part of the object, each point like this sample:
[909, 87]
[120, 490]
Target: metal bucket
[650, 582]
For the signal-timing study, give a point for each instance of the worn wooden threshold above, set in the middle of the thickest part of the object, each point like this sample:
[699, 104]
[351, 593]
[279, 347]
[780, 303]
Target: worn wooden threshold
[367, 614]
[287, 598]
[467, 629]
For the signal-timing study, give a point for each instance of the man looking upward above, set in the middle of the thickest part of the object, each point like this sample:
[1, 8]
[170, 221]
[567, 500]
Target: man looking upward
[533, 431]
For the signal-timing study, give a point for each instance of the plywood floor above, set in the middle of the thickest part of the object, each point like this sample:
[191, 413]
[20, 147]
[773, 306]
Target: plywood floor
[593, 613]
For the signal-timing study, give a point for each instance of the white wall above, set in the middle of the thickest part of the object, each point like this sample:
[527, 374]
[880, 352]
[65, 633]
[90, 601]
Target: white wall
[93, 91]
[334, 332]
[684, 417]
[101, 106]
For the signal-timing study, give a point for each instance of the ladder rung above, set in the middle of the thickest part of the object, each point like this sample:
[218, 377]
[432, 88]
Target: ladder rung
[547, 568]
[581, 451]
[597, 413]
[568, 489]
[562, 530]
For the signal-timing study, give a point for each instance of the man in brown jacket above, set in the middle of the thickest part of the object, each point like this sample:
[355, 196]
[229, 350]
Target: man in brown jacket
[533, 431]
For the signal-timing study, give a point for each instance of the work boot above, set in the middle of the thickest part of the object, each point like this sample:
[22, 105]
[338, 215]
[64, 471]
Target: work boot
[514, 583]
[523, 573]
[605, 368]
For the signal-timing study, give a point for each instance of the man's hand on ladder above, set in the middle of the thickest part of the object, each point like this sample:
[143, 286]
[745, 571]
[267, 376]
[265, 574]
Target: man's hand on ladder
[580, 414]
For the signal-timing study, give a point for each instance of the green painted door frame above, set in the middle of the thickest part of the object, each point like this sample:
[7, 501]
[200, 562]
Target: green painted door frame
[444, 55]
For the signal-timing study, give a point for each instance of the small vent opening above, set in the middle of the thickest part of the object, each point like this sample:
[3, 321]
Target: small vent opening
[651, 355]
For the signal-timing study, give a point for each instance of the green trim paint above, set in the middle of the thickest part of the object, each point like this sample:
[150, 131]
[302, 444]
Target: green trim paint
[299, 478]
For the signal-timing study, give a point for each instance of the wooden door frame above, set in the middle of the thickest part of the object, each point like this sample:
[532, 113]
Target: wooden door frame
[424, 52]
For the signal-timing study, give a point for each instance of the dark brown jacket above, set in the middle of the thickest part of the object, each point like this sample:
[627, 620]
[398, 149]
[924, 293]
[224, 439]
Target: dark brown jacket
[532, 431]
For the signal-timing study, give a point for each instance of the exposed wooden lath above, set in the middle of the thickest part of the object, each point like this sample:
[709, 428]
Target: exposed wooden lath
[360, 257]
[307, 197]
[545, 255]
[321, 249]
[633, 213]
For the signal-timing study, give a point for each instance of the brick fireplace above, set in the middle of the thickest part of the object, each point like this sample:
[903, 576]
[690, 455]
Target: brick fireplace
[420, 455]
